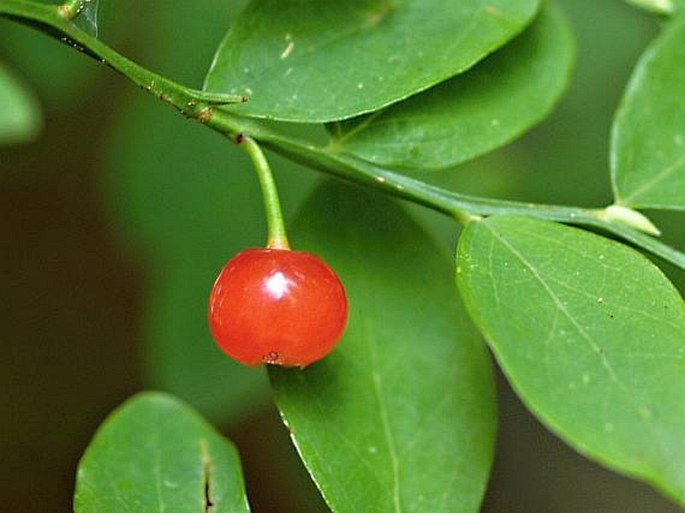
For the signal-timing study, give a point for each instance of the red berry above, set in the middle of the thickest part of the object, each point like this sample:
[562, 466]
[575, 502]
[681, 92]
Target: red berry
[277, 306]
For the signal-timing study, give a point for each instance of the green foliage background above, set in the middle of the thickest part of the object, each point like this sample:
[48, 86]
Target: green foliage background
[121, 213]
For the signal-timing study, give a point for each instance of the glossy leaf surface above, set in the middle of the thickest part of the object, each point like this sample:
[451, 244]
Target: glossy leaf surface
[20, 117]
[474, 112]
[155, 454]
[400, 417]
[312, 61]
[648, 139]
[592, 336]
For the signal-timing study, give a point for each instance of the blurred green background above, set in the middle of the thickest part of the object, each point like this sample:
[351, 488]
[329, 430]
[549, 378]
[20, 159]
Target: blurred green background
[116, 219]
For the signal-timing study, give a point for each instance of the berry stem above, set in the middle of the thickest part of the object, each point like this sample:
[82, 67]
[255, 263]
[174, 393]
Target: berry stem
[277, 237]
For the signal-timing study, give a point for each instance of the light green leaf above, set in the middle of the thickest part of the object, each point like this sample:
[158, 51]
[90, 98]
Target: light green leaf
[592, 336]
[648, 138]
[20, 118]
[472, 113]
[155, 454]
[401, 416]
[313, 61]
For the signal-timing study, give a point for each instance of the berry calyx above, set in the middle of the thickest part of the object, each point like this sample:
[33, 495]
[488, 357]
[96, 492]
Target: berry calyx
[277, 306]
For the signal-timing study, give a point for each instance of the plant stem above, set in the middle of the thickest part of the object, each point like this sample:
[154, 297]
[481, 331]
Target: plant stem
[459, 206]
[49, 18]
[206, 107]
[277, 237]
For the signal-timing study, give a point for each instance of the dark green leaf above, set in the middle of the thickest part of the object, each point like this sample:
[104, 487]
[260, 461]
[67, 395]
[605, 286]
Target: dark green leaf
[591, 335]
[648, 140]
[155, 454]
[312, 61]
[472, 113]
[20, 118]
[401, 416]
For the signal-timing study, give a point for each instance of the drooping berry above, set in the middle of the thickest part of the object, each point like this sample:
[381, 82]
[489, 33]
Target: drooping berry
[277, 306]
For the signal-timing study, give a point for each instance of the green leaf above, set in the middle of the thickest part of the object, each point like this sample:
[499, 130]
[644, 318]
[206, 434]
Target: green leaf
[401, 416]
[648, 139]
[20, 118]
[591, 335]
[313, 61]
[472, 113]
[155, 454]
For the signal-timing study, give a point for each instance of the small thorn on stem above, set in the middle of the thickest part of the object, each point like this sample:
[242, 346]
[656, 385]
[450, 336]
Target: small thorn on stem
[239, 138]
